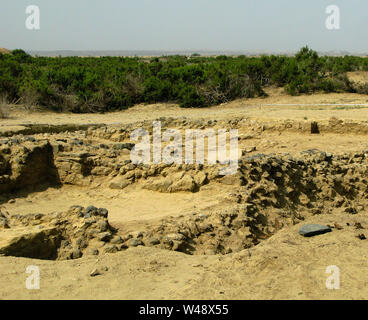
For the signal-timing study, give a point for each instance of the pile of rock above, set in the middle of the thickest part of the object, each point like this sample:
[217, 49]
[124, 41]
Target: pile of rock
[60, 236]
[219, 232]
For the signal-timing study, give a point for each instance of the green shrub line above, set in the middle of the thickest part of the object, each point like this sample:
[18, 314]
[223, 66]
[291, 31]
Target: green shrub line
[90, 84]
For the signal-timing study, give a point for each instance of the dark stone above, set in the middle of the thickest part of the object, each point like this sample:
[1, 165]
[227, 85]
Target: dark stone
[104, 236]
[310, 230]
[117, 240]
[110, 248]
[31, 139]
[362, 236]
[121, 146]
[135, 243]
[90, 211]
[351, 210]
[153, 241]
[103, 212]
[314, 128]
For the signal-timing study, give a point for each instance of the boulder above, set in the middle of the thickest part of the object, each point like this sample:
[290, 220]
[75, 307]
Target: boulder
[119, 183]
[310, 230]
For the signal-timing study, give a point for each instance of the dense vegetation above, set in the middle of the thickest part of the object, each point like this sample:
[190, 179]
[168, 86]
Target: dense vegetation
[110, 83]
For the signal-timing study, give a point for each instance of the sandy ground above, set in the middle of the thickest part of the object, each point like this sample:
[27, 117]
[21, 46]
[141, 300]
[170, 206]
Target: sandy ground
[128, 208]
[313, 108]
[286, 266]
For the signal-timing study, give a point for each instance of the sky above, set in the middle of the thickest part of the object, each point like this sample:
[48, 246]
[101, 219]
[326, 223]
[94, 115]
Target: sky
[190, 25]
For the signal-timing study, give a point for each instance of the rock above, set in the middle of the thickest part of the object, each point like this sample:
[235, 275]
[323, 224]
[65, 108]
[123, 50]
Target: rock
[153, 241]
[121, 146]
[362, 236]
[103, 212]
[249, 150]
[92, 233]
[358, 225]
[122, 246]
[116, 240]
[127, 237]
[200, 178]
[104, 236]
[77, 210]
[102, 226]
[134, 243]
[186, 183]
[235, 180]
[90, 211]
[338, 227]
[4, 223]
[351, 210]
[95, 272]
[119, 183]
[76, 254]
[137, 234]
[81, 243]
[92, 252]
[175, 236]
[177, 245]
[110, 248]
[204, 227]
[310, 230]
[161, 184]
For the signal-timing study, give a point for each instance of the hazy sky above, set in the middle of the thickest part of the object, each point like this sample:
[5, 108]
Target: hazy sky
[253, 25]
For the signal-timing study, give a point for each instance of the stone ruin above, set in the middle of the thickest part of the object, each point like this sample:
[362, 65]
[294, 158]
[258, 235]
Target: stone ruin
[269, 192]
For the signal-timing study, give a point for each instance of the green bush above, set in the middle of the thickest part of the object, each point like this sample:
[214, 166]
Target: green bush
[113, 83]
[189, 98]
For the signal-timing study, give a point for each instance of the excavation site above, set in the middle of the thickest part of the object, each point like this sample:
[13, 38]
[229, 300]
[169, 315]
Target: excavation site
[187, 159]
[73, 202]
